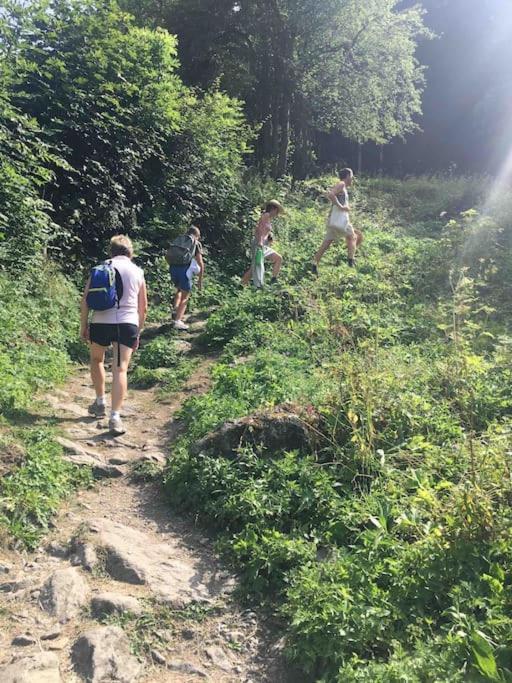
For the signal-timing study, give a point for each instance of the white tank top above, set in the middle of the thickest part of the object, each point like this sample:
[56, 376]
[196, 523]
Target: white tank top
[128, 311]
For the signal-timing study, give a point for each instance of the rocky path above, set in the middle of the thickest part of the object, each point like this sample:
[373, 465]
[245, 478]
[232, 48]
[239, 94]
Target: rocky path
[123, 589]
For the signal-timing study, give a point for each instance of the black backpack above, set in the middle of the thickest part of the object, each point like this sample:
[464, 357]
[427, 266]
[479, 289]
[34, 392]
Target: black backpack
[182, 251]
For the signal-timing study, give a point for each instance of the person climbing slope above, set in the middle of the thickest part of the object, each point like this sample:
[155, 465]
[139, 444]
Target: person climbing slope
[338, 222]
[261, 249]
[116, 294]
[185, 259]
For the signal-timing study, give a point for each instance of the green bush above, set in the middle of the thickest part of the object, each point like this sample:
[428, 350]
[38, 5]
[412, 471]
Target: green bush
[31, 494]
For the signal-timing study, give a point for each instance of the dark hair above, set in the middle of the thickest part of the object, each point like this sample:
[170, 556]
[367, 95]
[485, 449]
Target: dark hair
[345, 173]
[194, 230]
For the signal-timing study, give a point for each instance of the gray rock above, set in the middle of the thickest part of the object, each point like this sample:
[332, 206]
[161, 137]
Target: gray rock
[120, 460]
[57, 645]
[188, 634]
[5, 568]
[57, 550]
[78, 455]
[158, 657]
[64, 593]
[135, 557]
[14, 586]
[103, 655]
[219, 658]
[42, 667]
[105, 604]
[84, 555]
[23, 640]
[186, 668]
[273, 431]
[52, 633]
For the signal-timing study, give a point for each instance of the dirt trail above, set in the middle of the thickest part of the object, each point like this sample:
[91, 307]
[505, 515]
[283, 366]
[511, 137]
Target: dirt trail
[121, 538]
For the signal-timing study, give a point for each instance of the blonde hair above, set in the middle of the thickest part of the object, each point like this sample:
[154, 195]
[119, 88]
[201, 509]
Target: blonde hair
[121, 245]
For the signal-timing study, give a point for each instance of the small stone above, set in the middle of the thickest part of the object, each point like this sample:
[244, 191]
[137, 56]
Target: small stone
[186, 668]
[14, 586]
[188, 634]
[84, 555]
[5, 568]
[219, 658]
[119, 460]
[158, 657]
[106, 604]
[57, 550]
[23, 640]
[57, 645]
[103, 654]
[53, 633]
[64, 593]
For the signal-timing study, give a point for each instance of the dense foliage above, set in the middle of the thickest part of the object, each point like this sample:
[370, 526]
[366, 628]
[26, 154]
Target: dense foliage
[387, 548]
[302, 67]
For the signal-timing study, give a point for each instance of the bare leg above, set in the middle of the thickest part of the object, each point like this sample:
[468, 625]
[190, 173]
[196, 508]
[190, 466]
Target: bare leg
[97, 354]
[247, 277]
[180, 311]
[323, 248]
[351, 245]
[277, 261]
[177, 299]
[120, 376]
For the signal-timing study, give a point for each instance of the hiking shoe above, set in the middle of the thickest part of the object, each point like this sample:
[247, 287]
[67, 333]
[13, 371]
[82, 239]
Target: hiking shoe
[273, 281]
[351, 262]
[115, 426]
[180, 325]
[97, 410]
[314, 269]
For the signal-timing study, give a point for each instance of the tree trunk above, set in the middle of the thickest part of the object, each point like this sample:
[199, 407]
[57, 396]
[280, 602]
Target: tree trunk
[284, 138]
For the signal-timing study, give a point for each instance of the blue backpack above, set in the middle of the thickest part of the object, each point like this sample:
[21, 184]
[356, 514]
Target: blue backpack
[105, 289]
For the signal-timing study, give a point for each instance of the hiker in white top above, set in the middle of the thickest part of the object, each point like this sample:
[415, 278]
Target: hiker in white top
[120, 326]
[338, 222]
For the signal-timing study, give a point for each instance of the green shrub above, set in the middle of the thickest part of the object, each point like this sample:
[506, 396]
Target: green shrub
[31, 494]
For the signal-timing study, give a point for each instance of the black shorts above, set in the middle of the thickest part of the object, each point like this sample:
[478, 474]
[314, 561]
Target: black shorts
[104, 334]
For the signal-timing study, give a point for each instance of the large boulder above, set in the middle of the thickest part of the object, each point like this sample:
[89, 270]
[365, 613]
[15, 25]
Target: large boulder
[103, 654]
[64, 594]
[42, 667]
[176, 577]
[284, 428]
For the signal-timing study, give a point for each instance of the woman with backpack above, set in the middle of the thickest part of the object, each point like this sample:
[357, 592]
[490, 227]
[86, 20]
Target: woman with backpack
[116, 294]
[185, 259]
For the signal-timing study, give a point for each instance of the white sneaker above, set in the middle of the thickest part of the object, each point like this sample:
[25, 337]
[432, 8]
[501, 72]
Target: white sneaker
[180, 325]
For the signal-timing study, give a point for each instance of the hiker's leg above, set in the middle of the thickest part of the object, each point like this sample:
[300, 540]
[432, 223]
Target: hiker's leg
[177, 299]
[247, 277]
[323, 248]
[97, 354]
[351, 245]
[180, 311]
[277, 261]
[120, 375]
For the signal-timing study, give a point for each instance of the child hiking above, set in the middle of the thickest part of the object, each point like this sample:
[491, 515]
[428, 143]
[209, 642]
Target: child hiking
[261, 249]
[185, 259]
[116, 293]
[338, 222]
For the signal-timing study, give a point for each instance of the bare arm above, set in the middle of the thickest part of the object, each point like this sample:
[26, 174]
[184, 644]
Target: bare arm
[142, 305]
[200, 263]
[333, 193]
[84, 313]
